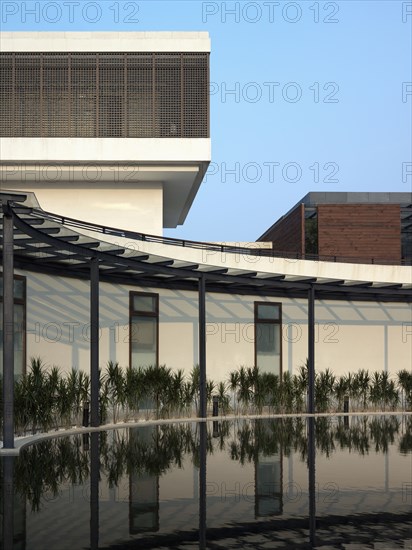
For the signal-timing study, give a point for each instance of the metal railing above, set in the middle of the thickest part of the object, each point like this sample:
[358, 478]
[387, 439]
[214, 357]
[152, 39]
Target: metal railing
[207, 246]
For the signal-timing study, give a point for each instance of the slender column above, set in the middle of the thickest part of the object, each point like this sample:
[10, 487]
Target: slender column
[202, 346]
[312, 480]
[311, 350]
[94, 342]
[8, 330]
[202, 485]
[8, 502]
[94, 490]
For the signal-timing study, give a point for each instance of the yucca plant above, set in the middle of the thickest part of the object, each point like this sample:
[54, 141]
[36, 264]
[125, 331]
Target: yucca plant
[39, 400]
[300, 384]
[360, 387]
[263, 390]
[375, 390]
[114, 382]
[405, 383]
[275, 394]
[210, 388]
[157, 382]
[287, 392]
[233, 383]
[324, 385]
[341, 390]
[224, 399]
[195, 382]
[245, 392]
[133, 389]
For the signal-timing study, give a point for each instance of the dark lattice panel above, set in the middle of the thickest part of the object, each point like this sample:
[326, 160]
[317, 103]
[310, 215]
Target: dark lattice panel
[104, 95]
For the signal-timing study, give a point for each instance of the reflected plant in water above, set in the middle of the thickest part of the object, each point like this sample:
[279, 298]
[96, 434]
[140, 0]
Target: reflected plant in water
[325, 436]
[44, 468]
[382, 432]
[405, 443]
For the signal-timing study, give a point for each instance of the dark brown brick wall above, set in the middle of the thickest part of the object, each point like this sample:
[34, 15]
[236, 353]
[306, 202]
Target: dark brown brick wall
[288, 233]
[360, 230]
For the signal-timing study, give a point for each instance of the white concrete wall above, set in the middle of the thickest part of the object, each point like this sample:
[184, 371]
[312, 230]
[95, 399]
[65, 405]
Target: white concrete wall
[350, 336]
[155, 41]
[104, 150]
[136, 207]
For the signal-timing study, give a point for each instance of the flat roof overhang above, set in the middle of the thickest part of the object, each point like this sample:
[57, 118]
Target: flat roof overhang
[49, 243]
[180, 181]
[131, 41]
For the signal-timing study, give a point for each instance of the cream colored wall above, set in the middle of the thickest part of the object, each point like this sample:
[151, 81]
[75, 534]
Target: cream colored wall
[349, 336]
[136, 207]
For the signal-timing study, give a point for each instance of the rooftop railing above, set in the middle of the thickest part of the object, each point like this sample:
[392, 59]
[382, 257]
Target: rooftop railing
[217, 247]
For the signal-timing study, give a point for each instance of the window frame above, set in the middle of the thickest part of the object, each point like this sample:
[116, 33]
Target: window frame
[269, 322]
[151, 314]
[22, 302]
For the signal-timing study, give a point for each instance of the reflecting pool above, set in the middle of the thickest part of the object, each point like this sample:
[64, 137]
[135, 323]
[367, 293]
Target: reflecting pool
[329, 482]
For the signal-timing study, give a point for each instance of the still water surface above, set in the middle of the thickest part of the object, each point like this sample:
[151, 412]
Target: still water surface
[269, 483]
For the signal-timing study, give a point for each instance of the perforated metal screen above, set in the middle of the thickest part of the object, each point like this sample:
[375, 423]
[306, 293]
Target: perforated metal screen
[104, 94]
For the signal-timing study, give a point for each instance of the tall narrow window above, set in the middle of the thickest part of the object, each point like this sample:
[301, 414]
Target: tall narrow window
[19, 325]
[268, 340]
[144, 329]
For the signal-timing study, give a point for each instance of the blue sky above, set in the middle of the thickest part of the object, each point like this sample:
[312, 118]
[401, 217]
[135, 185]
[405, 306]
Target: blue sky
[321, 97]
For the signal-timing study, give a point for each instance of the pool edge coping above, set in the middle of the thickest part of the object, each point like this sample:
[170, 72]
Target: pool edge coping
[25, 441]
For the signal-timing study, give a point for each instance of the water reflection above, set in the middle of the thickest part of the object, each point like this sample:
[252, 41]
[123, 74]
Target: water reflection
[211, 484]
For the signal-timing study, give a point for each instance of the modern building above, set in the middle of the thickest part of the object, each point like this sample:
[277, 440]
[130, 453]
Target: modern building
[112, 128]
[105, 141]
[347, 226]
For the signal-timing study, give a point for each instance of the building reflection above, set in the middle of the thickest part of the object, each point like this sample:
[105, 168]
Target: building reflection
[268, 485]
[144, 488]
[139, 459]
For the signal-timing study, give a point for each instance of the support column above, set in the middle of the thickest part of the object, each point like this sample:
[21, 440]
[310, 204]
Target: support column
[8, 502]
[8, 329]
[312, 480]
[202, 485]
[202, 346]
[311, 350]
[94, 490]
[94, 342]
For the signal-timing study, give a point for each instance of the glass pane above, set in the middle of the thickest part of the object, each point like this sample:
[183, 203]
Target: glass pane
[144, 303]
[268, 347]
[18, 339]
[18, 288]
[268, 311]
[144, 341]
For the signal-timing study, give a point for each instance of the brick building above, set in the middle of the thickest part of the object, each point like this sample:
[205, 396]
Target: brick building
[359, 226]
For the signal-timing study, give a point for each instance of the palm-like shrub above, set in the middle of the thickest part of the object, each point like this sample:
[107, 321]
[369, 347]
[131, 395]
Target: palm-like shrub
[45, 398]
[341, 390]
[133, 388]
[223, 398]
[115, 386]
[324, 386]
[300, 382]
[405, 383]
[360, 385]
[157, 381]
[234, 386]
[195, 382]
[287, 393]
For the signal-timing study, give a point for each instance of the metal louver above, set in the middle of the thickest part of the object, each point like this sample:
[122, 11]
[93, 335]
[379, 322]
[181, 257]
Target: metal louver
[141, 95]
